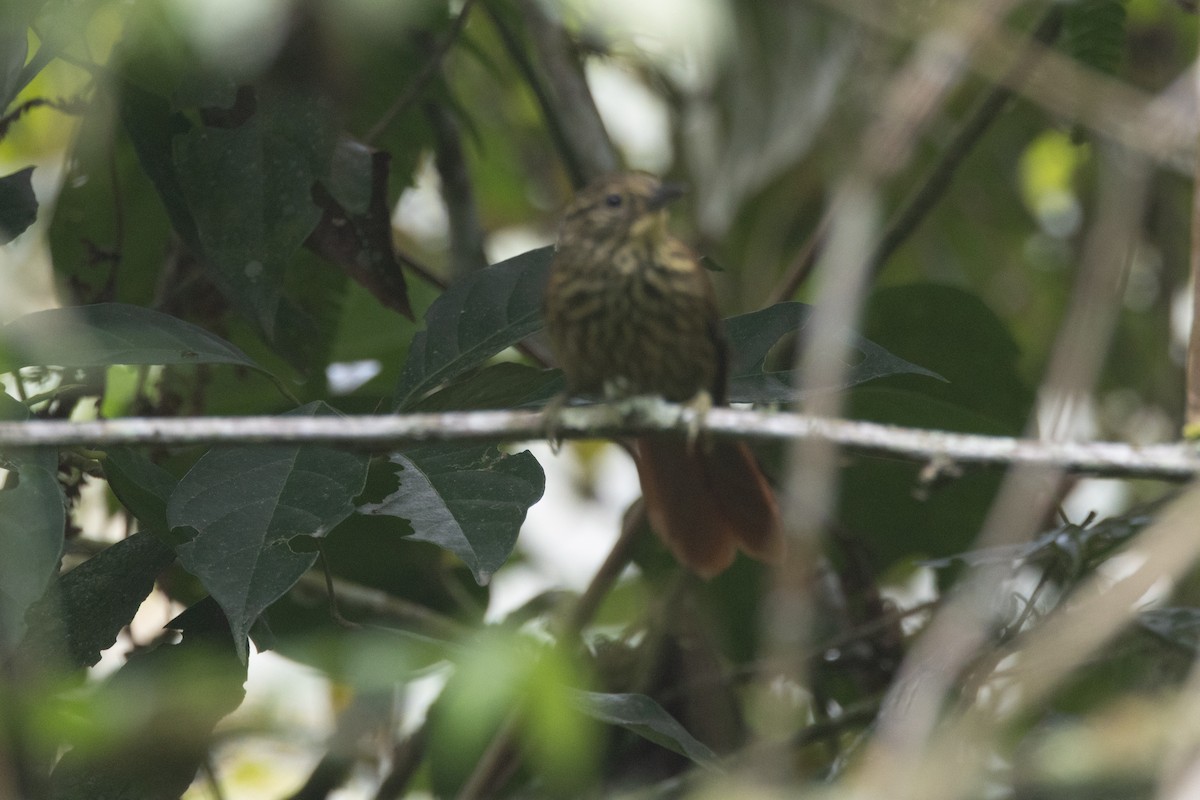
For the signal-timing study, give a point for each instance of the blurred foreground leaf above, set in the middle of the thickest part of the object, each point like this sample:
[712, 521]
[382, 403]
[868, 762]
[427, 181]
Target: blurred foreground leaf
[149, 726]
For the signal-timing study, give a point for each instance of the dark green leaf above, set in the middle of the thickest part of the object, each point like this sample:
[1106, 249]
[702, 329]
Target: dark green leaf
[249, 190]
[143, 487]
[18, 205]
[112, 333]
[472, 321]
[180, 692]
[953, 332]
[646, 718]
[752, 337]
[944, 519]
[245, 505]
[14, 49]
[1095, 32]
[96, 600]
[152, 127]
[468, 500]
[12, 409]
[94, 251]
[32, 519]
[503, 385]
[369, 550]
[497, 307]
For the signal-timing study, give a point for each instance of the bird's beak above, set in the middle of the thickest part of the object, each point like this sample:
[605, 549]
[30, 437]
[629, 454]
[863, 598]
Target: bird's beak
[666, 193]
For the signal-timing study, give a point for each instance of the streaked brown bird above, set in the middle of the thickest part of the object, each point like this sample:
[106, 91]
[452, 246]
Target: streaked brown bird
[630, 311]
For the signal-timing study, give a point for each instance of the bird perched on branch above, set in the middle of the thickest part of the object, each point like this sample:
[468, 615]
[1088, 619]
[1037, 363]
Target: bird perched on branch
[630, 311]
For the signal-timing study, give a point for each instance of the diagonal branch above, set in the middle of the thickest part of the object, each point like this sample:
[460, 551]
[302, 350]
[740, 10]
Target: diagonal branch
[427, 73]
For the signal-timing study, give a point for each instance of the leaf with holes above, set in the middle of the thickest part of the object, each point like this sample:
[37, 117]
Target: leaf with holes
[95, 601]
[469, 500]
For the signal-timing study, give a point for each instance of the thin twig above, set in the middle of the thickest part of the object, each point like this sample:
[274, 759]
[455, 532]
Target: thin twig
[561, 90]
[73, 106]
[517, 52]
[1192, 422]
[366, 600]
[490, 772]
[466, 234]
[935, 184]
[606, 576]
[494, 762]
[1158, 126]
[405, 760]
[430, 68]
[421, 271]
[1178, 461]
[926, 196]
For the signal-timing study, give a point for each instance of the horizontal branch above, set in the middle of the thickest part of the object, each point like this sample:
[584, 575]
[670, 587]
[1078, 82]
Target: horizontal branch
[381, 432]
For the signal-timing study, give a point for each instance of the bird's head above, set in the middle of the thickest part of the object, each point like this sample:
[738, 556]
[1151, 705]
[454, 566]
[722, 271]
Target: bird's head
[625, 207]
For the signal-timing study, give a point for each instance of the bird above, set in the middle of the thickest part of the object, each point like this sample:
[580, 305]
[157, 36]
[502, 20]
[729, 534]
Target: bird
[630, 311]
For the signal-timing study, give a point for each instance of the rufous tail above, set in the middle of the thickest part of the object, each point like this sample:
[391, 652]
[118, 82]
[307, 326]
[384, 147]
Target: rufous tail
[705, 502]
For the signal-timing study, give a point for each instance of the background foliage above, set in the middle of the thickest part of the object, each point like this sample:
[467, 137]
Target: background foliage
[241, 202]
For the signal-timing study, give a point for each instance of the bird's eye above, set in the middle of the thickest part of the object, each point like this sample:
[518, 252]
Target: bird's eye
[613, 201]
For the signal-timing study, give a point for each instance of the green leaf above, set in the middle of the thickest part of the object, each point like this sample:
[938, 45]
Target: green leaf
[497, 307]
[143, 487]
[249, 190]
[95, 601]
[641, 715]
[469, 500]
[472, 321]
[95, 251]
[12, 409]
[14, 49]
[753, 336]
[953, 332]
[1095, 32]
[504, 385]
[32, 520]
[152, 127]
[112, 333]
[18, 205]
[180, 692]
[246, 505]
